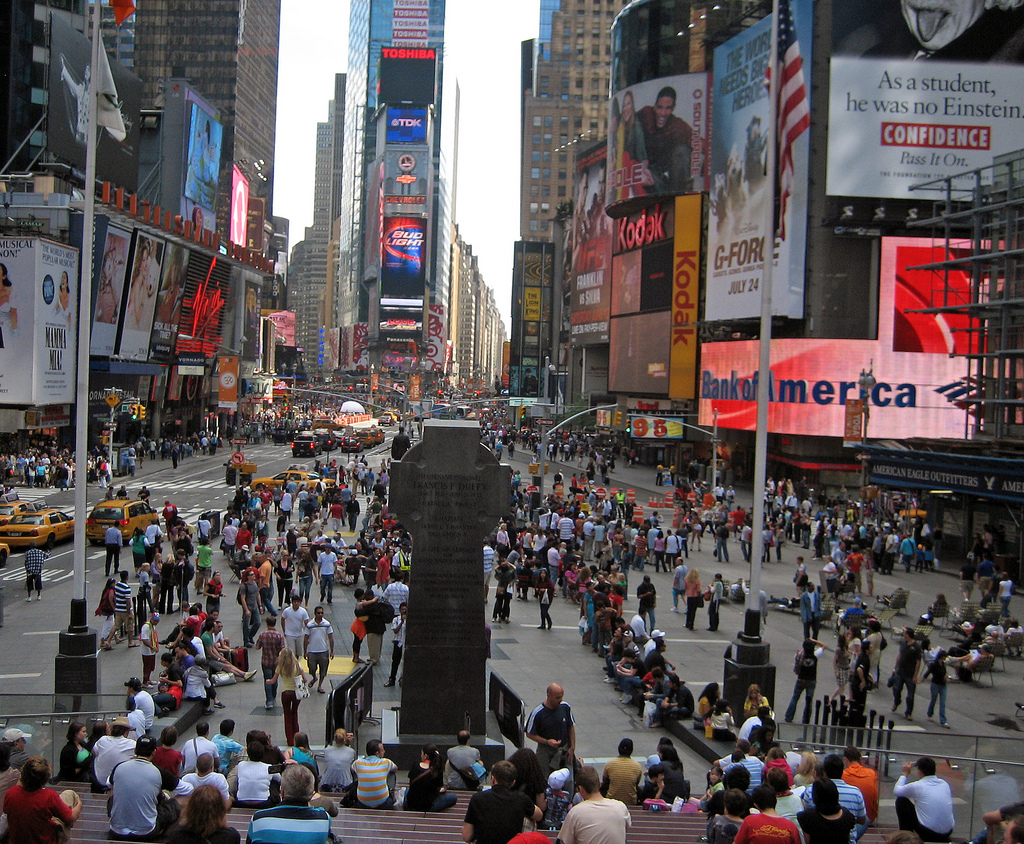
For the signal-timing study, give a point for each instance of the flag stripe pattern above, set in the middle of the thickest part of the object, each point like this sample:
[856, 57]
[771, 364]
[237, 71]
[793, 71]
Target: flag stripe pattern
[794, 111]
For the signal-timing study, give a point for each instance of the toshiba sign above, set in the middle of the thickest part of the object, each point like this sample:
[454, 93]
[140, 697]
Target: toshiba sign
[641, 229]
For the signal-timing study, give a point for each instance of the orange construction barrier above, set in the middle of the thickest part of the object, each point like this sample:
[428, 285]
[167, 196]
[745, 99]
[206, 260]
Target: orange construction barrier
[709, 499]
[631, 496]
[638, 514]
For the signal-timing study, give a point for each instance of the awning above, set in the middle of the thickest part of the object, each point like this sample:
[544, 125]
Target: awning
[986, 477]
[814, 464]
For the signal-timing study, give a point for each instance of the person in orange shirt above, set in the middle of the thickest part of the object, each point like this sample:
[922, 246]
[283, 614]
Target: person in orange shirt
[866, 780]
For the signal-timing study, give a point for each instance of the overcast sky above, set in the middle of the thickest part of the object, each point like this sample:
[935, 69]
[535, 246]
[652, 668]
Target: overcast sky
[482, 44]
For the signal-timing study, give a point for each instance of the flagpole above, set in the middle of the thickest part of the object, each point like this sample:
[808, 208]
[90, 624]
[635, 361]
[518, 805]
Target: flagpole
[77, 647]
[752, 617]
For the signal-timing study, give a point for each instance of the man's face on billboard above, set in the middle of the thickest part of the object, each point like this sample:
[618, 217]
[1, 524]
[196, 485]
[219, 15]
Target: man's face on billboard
[937, 23]
[663, 108]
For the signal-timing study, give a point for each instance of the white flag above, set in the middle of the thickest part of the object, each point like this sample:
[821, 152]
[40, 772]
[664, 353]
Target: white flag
[108, 104]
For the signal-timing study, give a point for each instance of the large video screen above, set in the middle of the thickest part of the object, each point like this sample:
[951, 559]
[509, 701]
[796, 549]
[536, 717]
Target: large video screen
[640, 350]
[920, 91]
[407, 75]
[140, 293]
[202, 165]
[812, 379]
[403, 257]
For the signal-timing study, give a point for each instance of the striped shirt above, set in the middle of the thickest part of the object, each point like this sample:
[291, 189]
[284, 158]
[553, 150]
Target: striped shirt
[34, 559]
[372, 774]
[287, 824]
[122, 596]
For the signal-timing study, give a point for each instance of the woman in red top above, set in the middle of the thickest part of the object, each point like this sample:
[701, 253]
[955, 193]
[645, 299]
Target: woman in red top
[31, 808]
[166, 756]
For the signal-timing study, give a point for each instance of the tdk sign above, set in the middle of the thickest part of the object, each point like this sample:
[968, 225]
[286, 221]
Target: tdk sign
[406, 125]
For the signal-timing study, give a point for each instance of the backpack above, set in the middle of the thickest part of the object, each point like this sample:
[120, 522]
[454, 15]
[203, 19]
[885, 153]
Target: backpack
[386, 610]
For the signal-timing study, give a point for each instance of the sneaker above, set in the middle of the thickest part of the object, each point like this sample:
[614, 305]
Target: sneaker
[675, 609]
[249, 675]
[219, 705]
[946, 725]
[609, 679]
[268, 706]
[28, 600]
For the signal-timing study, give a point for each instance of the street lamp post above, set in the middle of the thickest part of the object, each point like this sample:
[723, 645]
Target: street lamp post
[548, 431]
[866, 382]
[714, 454]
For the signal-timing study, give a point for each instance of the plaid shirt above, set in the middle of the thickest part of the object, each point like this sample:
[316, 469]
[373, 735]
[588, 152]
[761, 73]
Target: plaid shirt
[271, 642]
[34, 559]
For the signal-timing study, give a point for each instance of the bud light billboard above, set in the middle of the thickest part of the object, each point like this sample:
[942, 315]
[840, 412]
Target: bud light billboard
[407, 126]
[403, 257]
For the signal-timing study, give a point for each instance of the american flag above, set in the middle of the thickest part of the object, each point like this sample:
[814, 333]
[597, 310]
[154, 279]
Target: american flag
[794, 112]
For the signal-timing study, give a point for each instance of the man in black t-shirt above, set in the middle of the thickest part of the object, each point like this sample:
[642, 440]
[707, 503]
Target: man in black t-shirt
[400, 444]
[552, 726]
[496, 816]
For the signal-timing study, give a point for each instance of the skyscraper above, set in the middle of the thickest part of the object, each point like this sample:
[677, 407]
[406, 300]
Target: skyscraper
[371, 29]
[230, 56]
[566, 83]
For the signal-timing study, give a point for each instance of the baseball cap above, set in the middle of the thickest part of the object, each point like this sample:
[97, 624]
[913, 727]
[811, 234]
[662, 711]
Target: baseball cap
[155, 616]
[13, 734]
[657, 634]
[133, 683]
[145, 745]
[558, 779]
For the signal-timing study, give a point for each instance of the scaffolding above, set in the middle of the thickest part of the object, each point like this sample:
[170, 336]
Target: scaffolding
[978, 224]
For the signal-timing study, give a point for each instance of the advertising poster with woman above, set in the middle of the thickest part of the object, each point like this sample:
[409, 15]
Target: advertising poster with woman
[168, 303]
[109, 285]
[37, 343]
[140, 295]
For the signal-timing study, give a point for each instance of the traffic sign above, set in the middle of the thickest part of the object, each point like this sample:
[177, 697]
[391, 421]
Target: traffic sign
[544, 421]
[113, 399]
[237, 459]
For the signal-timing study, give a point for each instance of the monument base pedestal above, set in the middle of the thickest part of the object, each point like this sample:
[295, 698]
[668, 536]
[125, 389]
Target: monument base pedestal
[751, 664]
[404, 749]
[76, 668]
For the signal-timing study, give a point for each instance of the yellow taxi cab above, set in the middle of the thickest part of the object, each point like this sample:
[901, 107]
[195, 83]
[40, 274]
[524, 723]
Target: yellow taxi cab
[123, 514]
[387, 418]
[5, 552]
[43, 527]
[11, 508]
[298, 475]
[371, 437]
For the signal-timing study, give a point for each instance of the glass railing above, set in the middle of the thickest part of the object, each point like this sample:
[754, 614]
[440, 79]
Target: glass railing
[983, 772]
[46, 718]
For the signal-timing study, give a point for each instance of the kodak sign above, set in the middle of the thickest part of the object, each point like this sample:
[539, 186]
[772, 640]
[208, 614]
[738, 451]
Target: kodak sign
[686, 261]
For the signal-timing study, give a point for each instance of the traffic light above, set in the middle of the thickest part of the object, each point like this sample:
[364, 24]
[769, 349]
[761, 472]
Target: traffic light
[142, 411]
[135, 411]
[617, 421]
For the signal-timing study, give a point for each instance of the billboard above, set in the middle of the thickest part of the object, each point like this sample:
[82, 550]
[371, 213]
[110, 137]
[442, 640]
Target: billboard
[406, 126]
[739, 191]
[140, 293]
[920, 92]
[207, 298]
[238, 229]
[642, 263]
[410, 23]
[686, 263]
[406, 174]
[657, 428]
[403, 257]
[251, 311]
[639, 353]
[813, 379]
[333, 347]
[436, 334]
[591, 254]
[168, 303]
[70, 77]
[202, 164]
[407, 75]
[37, 321]
[658, 138]
[109, 287]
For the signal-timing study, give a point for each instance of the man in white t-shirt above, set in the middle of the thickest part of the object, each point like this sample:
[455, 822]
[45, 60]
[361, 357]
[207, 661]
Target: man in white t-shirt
[229, 533]
[204, 774]
[319, 646]
[196, 747]
[143, 703]
[327, 560]
[597, 820]
[293, 624]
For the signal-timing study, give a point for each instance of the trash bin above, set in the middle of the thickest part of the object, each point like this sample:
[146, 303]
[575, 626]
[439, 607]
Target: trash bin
[213, 516]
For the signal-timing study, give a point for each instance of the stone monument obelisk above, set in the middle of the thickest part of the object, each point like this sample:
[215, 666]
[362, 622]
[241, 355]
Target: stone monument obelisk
[449, 491]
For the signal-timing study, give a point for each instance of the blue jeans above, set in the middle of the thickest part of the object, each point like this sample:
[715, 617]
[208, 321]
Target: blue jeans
[938, 693]
[250, 625]
[1006, 607]
[267, 594]
[268, 672]
[808, 692]
[899, 684]
[305, 587]
[649, 615]
[327, 588]
[859, 830]
[675, 597]
[721, 551]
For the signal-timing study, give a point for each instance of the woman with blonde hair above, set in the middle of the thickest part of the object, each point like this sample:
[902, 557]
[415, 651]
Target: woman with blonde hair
[804, 774]
[754, 701]
[693, 596]
[287, 671]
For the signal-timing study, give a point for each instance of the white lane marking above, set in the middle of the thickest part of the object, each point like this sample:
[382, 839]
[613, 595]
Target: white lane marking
[19, 676]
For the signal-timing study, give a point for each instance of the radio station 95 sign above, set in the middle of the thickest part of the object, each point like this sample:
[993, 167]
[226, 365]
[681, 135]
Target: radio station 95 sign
[656, 428]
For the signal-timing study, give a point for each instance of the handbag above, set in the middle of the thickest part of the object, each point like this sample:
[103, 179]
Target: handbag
[301, 687]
